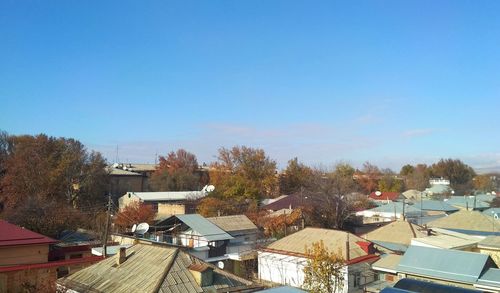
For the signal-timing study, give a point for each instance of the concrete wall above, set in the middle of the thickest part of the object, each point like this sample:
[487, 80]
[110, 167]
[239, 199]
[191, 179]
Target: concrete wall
[28, 254]
[168, 209]
[122, 184]
[127, 199]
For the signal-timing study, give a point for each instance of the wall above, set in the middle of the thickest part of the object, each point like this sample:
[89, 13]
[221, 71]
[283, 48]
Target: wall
[119, 185]
[281, 269]
[28, 254]
[125, 200]
[168, 209]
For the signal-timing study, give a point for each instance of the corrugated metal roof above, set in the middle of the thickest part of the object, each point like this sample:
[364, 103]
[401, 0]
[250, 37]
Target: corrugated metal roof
[446, 241]
[12, 235]
[397, 207]
[168, 196]
[233, 223]
[467, 202]
[397, 232]
[490, 242]
[467, 221]
[387, 262]
[204, 227]
[492, 212]
[452, 265]
[334, 240]
[490, 277]
[435, 205]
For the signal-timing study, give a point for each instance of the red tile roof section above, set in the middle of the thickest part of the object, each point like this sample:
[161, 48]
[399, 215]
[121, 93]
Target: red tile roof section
[12, 235]
[385, 196]
[51, 264]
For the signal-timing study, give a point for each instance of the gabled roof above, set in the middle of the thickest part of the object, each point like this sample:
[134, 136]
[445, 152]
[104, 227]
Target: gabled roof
[148, 268]
[399, 232]
[334, 240]
[435, 205]
[168, 196]
[204, 227]
[12, 235]
[445, 264]
[290, 201]
[385, 195]
[233, 223]
[394, 207]
[413, 194]
[463, 221]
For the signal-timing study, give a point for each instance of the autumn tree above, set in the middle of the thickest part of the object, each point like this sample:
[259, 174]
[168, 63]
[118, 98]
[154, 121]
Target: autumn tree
[134, 213]
[369, 177]
[324, 271]
[484, 183]
[244, 173]
[51, 178]
[459, 174]
[178, 171]
[390, 182]
[295, 177]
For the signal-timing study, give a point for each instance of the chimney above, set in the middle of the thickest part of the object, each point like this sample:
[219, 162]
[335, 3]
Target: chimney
[347, 248]
[122, 256]
[202, 273]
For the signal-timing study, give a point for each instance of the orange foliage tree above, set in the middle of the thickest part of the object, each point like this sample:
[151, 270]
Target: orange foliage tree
[134, 213]
[324, 271]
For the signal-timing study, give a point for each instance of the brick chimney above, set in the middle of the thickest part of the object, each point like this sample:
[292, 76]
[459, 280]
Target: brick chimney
[122, 256]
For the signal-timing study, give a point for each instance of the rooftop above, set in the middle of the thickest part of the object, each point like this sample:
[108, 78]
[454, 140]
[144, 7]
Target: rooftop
[387, 263]
[445, 264]
[467, 221]
[334, 240]
[435, 205]
[168, 195]
[166, 268]
[200, 225]
[233, 223]
[398, 232]
[12, 235]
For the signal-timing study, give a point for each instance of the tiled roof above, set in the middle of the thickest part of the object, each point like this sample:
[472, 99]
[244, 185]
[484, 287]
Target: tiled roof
[11, 235]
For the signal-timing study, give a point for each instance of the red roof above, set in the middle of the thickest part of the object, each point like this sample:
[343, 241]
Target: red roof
[290, 201]
[51, 264]
[386, 195]
[11, 235]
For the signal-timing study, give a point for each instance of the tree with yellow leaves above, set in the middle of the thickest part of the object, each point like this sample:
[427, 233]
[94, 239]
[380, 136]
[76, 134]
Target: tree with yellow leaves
[324, 272]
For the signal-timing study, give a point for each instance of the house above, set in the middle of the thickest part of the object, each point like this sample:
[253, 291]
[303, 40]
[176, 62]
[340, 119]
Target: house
[241, 250]
[164, 204]
[204, 239]
[24, 260]
[462, 269]
[468, 222]
[389, 212]
[395, 236]
[154, 268]
[122, 181]
[386, 196]
[283, 261]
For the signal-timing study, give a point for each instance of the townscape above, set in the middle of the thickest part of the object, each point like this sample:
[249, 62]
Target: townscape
[240, 225]
[253, 146]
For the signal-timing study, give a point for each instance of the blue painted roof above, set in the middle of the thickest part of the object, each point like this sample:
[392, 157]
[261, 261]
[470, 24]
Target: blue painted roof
[412, 285]
[204, 227]
[398, 206]
[492, 211]
[452, 265]
[435, 205]
[467, 201]
[438, 189]
[490, 277]
[391, 246]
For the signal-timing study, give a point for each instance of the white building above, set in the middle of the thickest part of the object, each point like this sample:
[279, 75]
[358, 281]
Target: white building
[283, 261]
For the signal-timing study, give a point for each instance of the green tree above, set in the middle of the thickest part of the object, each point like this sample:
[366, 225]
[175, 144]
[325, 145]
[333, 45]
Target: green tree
[459, 174]
[324, 271]
[295, 177]
[178, 171]
[407, 170]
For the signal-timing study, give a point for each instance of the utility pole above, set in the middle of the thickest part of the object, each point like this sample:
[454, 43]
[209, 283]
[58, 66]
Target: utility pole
[106, 231]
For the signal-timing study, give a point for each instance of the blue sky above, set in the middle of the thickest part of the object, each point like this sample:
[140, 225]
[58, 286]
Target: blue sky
[385, 81]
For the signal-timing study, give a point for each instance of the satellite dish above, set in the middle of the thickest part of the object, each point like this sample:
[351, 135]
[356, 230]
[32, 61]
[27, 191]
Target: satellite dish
[378, 193]
[210, 188]
[220, 265]
[142, 228]
[134, 228]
